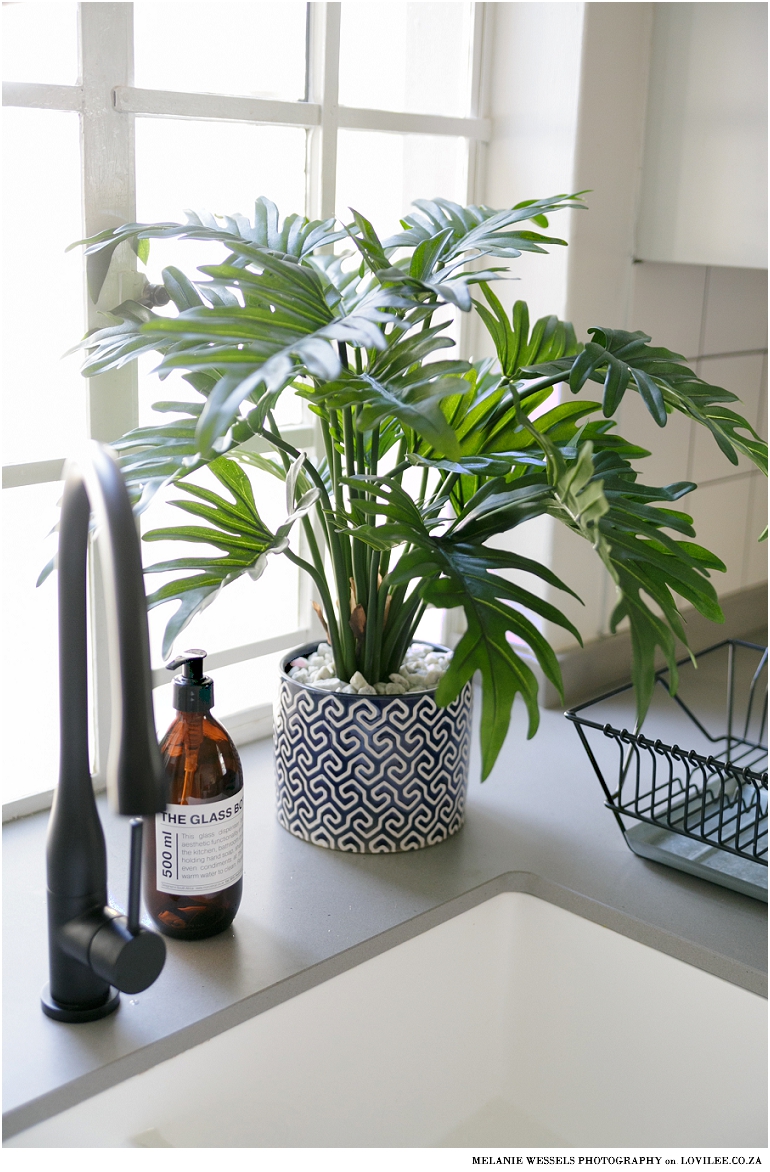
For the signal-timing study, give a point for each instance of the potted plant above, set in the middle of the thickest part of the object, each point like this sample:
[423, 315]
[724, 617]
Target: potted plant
[424, 461]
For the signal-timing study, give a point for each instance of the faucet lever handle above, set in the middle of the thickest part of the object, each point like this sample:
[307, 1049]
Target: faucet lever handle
[135, 876]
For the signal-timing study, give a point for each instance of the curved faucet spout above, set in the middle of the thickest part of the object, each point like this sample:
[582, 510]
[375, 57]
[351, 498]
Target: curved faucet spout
[82, 929]
[135, 776]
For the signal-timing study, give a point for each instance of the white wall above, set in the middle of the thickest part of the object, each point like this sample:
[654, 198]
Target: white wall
[533, 61]
[718, 318]
[704, 197]
[569, 102]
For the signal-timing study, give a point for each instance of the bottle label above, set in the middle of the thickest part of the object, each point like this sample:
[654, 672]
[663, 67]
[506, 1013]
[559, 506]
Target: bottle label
[199, 848]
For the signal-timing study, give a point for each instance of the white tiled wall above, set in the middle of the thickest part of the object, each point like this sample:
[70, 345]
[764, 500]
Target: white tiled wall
[717, 319]
[755, 562]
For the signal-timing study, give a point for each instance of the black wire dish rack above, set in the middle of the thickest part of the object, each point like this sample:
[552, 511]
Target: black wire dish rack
[701, 809]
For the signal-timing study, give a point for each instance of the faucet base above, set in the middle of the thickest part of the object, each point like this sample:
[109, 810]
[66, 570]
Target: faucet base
[59, 1012]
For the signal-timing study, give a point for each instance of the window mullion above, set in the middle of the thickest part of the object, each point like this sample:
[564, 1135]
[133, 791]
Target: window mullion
[477, 147]
[109, 199]
[323, 58]
[479, 48]
[323, 89]
[34, 95]
[109, 194]
[224, 107]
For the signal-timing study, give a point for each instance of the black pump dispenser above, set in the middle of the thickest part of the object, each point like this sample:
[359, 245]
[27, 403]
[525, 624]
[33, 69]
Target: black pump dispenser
[193, 692]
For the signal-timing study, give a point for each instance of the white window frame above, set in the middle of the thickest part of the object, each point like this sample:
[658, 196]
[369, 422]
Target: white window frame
[108, 103]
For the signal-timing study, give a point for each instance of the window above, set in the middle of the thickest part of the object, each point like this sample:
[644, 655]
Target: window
[121, 111]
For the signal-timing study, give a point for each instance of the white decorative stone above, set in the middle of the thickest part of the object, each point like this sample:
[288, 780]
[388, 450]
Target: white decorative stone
[422, 669]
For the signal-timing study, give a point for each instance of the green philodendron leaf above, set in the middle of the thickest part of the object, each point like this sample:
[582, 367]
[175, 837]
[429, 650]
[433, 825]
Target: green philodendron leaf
[650, 566]
[234, 526]
[550, 340]
[479, 230]
[298, 237]
[620, 360]
[456, 569]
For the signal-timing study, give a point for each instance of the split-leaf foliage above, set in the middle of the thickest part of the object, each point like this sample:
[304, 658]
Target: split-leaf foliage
[426, 461]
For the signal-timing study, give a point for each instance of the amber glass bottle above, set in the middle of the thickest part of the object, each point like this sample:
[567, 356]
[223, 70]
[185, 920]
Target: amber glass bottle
[194, 851]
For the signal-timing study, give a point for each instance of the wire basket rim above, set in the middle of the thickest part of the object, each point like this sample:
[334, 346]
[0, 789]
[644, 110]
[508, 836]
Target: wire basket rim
[638, 738]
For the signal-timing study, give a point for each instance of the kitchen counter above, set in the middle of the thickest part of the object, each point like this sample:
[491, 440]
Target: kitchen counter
[537, 825]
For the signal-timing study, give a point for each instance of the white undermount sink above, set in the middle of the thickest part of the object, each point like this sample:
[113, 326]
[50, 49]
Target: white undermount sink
[514, 1024]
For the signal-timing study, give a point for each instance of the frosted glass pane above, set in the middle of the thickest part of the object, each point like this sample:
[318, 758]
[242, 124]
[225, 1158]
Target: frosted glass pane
[221, 166]
[44, 395]
[30, 643]
[239, 686]
[40, 43]
[413, 57]
[381, 174]
[256, 50]
[218, 166]
[246, 611]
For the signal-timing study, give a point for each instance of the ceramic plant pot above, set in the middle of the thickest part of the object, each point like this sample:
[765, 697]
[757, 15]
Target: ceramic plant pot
[370, 774]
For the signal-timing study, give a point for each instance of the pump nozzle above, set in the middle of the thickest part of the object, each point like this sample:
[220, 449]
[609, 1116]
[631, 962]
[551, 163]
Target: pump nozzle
[193, 692]
[192, 662]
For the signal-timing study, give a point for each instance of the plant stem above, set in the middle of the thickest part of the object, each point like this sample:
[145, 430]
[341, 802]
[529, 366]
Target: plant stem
[282, 446]
[340, 553]
[326, 598]
[423, 486]
[285, 450]
[403, 628]
[371, 640]
[448, 484]
[359, 566]
[408, 634]
[315, 552]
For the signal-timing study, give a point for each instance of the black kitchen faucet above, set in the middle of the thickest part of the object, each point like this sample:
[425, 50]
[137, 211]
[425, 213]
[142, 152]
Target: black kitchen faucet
[94, 951]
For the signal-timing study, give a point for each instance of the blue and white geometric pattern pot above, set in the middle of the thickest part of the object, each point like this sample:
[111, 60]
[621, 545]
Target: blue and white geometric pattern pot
[370, 774]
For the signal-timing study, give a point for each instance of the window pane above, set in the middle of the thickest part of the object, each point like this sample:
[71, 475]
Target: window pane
[407, 57]
[257, 50]
[40, 43]
[246, 611]
[30, 643]
[239, 686]
[417, 166]
[44, 395]
[218, 166]
[221, 167]
[381, 174]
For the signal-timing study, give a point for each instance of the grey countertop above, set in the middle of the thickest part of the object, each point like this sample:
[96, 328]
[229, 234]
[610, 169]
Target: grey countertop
[538, 825]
